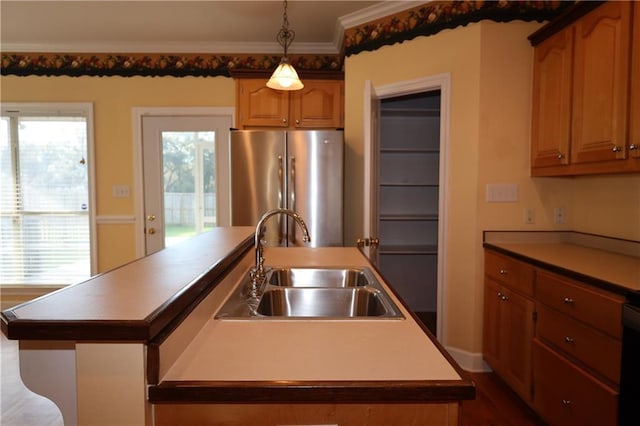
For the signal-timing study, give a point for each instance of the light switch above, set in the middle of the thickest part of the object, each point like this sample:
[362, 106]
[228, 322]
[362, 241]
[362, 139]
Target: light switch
[502, 193]
[120, 191]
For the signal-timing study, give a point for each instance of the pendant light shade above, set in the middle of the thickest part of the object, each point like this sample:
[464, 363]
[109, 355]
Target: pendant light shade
[285, 76]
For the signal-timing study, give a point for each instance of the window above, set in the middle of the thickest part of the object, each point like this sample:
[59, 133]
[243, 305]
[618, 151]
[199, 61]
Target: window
[45, 194]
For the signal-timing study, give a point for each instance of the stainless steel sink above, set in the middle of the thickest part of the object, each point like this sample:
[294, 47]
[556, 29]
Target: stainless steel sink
[322, 302]
[314, 277]
[312, 293]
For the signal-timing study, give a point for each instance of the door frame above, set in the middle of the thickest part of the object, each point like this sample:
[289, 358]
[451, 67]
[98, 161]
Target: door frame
[440, 82]
[138, 158]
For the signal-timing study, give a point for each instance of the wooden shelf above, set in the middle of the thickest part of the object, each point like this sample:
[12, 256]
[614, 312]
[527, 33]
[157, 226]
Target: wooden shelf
[409, 151]
[404, 184]
[408, 217]
[404, 249]
[410, 112]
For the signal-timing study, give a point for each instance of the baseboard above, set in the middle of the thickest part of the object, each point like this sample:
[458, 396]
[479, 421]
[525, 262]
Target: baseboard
[469, 361]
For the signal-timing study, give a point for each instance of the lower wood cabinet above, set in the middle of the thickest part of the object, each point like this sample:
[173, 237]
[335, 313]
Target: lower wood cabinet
[567, 395]
[508, 333]
[559, 346]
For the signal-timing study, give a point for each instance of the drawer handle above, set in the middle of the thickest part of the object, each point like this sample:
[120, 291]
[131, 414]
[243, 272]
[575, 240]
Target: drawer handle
[568, 339]
[566, 402]
[503, 272]
[568, 301]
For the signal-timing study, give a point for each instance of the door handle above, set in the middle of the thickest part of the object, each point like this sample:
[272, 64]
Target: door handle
[367, 242]
[292, 185]
[280, 198]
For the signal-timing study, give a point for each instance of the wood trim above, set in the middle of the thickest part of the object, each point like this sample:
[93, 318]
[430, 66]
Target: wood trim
[311, 391]
[563, 20]
[169, 314]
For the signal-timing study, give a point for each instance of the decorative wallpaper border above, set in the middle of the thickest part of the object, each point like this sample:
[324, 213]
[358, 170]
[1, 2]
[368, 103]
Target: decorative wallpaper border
[424, 20]
[431, 18]
[149, 65]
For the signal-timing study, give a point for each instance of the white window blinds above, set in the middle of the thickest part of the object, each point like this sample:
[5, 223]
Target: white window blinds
[44, 200]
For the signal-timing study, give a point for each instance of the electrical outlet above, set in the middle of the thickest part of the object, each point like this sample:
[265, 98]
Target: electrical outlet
[529, 215]
[559, 215]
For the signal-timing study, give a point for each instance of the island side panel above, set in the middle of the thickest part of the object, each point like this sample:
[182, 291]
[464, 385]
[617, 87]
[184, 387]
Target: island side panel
[171, 347]
[435, 414]
[111, 385]
[48, 368]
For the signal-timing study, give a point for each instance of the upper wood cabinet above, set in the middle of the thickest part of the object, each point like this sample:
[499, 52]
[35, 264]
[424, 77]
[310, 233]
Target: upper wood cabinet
[551, 121]
[318, 105]
[581, 95]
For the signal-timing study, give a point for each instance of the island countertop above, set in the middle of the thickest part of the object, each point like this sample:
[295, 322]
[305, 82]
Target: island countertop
[310, 359]
[143, 340]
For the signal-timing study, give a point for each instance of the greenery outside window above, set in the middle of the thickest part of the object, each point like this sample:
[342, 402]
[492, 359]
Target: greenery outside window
[46, 208]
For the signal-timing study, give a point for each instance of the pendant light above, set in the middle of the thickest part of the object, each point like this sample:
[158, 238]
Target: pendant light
[285, 76]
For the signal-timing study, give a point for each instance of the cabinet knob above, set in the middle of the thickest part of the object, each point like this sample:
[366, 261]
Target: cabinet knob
[297, 121]
[568, 339]
[284, 120]
[503, 272]
[566, 402]
[560, 156]
[568, 301]
[616, 149]
[500, 295]
[633, 147]
[151, 231]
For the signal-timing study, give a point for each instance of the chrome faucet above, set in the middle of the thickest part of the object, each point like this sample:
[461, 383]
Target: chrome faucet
[258, 272]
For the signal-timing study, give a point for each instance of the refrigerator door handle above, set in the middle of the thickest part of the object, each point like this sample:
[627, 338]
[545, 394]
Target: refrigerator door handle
[280, 198]
[292, 204]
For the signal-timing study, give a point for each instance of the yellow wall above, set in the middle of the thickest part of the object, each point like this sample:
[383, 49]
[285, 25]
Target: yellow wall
[113, 99]
[491, 71]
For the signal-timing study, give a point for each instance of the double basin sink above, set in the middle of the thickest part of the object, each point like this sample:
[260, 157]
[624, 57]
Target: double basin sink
[306, 293]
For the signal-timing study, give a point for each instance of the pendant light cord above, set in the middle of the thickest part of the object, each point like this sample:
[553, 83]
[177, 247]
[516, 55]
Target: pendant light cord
[285, 35]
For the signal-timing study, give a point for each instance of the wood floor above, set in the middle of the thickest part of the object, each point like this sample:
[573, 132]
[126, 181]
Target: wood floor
[494, 405]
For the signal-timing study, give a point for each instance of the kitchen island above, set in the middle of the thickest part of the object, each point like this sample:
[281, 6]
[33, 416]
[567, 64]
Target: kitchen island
[141, 345]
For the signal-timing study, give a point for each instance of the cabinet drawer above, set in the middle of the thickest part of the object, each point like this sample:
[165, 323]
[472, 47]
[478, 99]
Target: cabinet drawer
[510, 272]
[566, 395]
[596, 308]
[597, 350]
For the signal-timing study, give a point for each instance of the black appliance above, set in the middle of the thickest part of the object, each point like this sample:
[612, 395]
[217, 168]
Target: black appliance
[629, 404]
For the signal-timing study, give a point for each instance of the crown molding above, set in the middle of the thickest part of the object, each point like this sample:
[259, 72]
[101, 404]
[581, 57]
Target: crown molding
[368, 14]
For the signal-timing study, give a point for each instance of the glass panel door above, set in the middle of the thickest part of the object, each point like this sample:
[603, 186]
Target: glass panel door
[185, 177]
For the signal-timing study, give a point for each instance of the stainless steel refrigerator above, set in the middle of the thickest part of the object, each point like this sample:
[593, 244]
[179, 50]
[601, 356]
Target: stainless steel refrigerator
[301, 170]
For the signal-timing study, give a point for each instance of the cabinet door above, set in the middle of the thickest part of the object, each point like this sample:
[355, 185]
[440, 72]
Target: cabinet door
[492, 324]
[517, 339]
[601, 84]
[260, 106]
[551, 120]
[634, 145]
[317, 105]
[567, 395]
